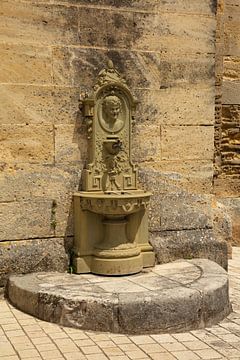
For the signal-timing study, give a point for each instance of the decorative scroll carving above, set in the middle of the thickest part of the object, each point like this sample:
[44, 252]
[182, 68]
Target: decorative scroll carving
[115, 206]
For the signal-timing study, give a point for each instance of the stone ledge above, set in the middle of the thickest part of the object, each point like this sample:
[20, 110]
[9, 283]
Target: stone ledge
[189, 244]
[24, 256]
[178, 296]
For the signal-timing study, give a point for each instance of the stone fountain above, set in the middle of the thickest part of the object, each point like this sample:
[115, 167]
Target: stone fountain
[111, 238]
[110, 214]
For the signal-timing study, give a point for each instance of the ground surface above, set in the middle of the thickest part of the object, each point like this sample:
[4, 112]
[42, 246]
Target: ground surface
[24, 337]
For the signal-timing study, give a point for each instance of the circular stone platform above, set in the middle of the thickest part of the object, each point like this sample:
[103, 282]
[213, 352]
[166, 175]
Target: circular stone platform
[178, 296]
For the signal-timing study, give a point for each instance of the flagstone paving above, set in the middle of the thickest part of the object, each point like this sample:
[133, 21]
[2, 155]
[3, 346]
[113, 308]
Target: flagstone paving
[25, 337]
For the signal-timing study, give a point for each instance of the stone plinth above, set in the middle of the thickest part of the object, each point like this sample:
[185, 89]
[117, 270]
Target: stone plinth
[178, 296]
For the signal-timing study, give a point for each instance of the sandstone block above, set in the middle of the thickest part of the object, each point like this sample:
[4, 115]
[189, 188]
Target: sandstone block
[26, 219]
[35, 104]
[204, 7]
[27, 143]
[26, 104]
[20, 257]
[191, 176]
[232, 208]
[64, 216]
[222, 225]
[172, 32]
[187, 142]
[232, 30]
[70, 143]
[231, 92]
[194, 105]
[172, 208]
[66, 105]
[199, 243]
[146, 31]
[142, 69]
[35, 182]
[34, 23]
[231, 68]
[25, 64]
[226, 187]
[117, 28]
[146, 143]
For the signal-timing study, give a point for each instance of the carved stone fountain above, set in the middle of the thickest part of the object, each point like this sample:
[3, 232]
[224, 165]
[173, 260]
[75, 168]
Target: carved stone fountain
[110, 214]
[111, 238]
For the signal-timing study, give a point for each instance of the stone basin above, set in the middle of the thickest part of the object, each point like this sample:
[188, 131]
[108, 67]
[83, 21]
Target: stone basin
[114, 202]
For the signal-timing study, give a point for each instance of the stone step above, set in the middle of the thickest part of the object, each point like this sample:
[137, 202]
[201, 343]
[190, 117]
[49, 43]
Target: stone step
[174, 297]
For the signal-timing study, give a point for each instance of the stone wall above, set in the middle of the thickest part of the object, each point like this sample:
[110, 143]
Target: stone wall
[51, 51]
[227, 181]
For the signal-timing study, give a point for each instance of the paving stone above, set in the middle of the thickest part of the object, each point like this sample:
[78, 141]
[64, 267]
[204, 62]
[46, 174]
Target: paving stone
[208, 354]
[185, 355]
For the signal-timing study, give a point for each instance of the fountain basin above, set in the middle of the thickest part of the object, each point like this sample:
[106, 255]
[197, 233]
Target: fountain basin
[114, 202]
[111, 235]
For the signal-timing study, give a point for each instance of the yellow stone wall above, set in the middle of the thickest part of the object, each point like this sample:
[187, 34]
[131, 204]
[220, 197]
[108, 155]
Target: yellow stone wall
[50, 52]
[227, 132]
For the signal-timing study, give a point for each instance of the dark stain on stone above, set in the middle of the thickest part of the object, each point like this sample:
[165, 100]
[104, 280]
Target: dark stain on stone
[213, 6]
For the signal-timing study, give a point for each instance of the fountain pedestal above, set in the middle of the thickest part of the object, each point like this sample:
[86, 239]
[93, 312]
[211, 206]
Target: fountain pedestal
[111, 233]
[110, 214]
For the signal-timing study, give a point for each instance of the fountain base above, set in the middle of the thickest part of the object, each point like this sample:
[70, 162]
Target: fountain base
[111, 233]
[174, 297]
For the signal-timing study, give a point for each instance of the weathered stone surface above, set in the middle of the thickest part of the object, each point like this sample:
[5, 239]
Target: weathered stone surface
[150, 149]
[232, 208]
[33, 104]
[25, 256]
[231, 67]
[25, 64]
[26, 219]
[231, 91]
[213, 291]
[107, 20]
[27, 182]
[227, 124]
[158, 32]
[51, 51]
[31, 184]
[154, 107]
[204, 7]
[190, 175]
[148, 69]
[230, 142]
[70, 143]
[146, 31]
[189, 244]
[66, 105]
[172, 208]
[173, 297]
[35, 23]
[226, 187]
[187, 142]
[232, 29]
[26, 104]
[27, 143]
[222, 225]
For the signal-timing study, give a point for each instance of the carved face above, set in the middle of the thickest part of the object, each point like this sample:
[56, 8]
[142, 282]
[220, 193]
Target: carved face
[112, 108]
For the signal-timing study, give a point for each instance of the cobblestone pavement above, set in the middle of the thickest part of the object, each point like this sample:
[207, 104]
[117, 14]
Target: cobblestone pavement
[24, 337]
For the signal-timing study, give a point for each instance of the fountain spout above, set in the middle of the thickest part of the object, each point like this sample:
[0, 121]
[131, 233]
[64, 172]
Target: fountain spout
[113, 145]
